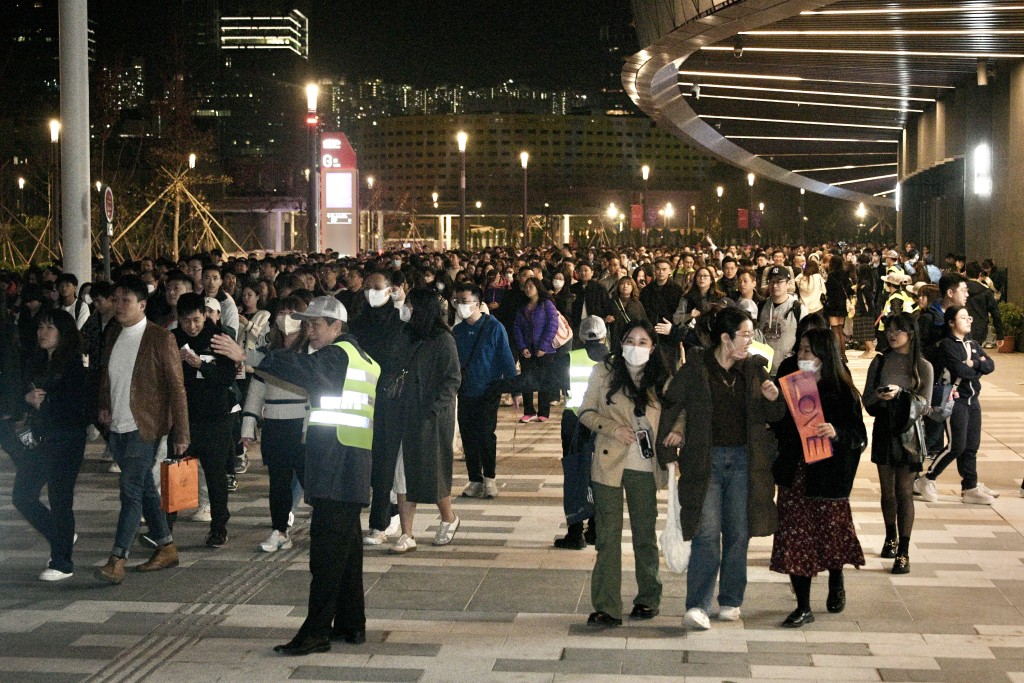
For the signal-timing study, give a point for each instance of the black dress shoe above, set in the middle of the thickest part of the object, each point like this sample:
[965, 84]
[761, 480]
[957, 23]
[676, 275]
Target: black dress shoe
[798, 618]
[901, 565]
[569, 542]
[644, 612]
[353, 636]
[603, 619]
[889, 548]
[304, 645]
[590, 535]
[836, 601]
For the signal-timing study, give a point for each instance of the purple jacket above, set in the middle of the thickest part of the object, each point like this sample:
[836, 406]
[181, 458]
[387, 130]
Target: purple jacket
[536, 330]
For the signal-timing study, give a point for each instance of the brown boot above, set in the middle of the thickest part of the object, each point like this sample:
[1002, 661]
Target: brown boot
[163, 557]
[112, 571]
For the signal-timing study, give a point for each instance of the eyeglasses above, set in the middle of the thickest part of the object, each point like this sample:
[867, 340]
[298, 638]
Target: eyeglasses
[745, 335]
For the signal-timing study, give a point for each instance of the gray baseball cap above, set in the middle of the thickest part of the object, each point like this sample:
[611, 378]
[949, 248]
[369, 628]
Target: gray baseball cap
[593, 329]
[324, 307]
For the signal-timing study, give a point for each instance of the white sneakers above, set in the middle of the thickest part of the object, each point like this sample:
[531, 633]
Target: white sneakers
[976, 496]
[729, 614]
[374, 537]
[51, 574]
[985, 489]
[395, 526]
[696, 619]
[276, 541]
[202, 514]
[490, 488]
[446, 531]
[474, 489]
[925, 487]
[404, 544]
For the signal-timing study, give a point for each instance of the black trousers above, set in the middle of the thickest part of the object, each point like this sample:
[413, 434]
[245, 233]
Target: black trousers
[537, 372]
[478, 420]
[965, 439]
[211, 443]
[336, 563]
[284, 454]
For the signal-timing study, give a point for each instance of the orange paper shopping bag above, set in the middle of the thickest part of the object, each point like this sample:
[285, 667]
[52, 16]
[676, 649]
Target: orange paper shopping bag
[179, 484]
[801, 392]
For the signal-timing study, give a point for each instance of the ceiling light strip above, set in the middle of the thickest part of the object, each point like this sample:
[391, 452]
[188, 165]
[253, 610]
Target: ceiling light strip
[894, 32]
[865, 180]
[800, 102]
[726, 74]
[882, 194]
[825, 93]
[798, 122]
[839, 168]
[918, 10]
[800, 139]
[879, 53]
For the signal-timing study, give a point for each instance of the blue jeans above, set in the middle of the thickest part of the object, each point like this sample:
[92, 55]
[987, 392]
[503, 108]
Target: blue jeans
[723, 534]
[139, 495]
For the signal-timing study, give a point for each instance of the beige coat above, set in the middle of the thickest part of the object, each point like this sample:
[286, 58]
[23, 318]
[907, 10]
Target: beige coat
[602, 419]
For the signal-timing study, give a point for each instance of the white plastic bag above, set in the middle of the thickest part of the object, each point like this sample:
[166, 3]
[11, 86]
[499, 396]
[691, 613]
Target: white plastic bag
[675, 549]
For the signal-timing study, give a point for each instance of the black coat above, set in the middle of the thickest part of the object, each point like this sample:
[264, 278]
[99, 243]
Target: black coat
[832, 477]
[422, 421]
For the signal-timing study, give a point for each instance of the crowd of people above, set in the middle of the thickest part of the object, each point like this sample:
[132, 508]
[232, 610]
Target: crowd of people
[355, 374]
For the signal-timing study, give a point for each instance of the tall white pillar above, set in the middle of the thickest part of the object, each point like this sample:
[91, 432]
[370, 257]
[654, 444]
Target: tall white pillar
[74, 150]
[565, 229]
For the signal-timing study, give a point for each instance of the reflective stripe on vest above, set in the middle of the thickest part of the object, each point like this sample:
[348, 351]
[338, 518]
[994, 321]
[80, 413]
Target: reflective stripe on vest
[580, 368]
[909, 306]
[352, 412]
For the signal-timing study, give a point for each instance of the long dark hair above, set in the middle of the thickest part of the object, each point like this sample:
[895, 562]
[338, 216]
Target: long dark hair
[427, 317]
[834, 375]
[542, 293]
[69, 343]
[811, 321]
[656, 373]
[904, 322]
[726, 321]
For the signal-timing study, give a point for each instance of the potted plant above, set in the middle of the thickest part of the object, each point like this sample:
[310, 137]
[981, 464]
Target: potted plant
[1013, 325]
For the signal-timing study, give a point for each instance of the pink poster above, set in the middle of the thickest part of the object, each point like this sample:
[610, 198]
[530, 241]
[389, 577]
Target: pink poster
[801, 392]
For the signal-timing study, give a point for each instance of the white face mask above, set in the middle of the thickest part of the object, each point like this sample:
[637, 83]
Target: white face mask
[557, 284]
[151, 288]
[465, 310]
[637, 356]
[808, 365]
[405, 313]
[288, 325]
[377, 297]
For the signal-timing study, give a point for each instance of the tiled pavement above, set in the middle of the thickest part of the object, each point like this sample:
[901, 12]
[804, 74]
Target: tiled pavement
[501, 604]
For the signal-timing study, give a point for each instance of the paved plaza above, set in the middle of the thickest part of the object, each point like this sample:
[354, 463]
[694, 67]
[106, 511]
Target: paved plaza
[500, 604]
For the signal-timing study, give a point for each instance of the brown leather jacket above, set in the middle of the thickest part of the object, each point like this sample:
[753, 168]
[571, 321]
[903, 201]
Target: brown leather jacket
[158, 389]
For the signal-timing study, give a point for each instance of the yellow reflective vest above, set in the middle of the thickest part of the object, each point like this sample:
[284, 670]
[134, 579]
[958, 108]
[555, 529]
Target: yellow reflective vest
[352, 412]
[580, 368]
[907, 304]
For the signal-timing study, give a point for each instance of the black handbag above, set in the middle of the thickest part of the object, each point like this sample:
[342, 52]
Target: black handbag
[393, 391]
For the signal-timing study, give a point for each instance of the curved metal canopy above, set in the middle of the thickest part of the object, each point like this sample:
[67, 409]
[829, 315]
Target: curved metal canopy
[809, 93]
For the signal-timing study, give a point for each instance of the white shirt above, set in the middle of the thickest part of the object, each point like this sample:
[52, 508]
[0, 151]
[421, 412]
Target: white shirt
[83, 314]
[120, 370]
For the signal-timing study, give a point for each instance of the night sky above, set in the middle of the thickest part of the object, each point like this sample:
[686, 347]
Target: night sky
[544, 43]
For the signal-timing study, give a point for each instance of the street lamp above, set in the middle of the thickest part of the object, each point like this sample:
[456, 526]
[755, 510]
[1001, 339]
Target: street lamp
[670, 211]
[313, 205]
[461, 137]
[720, 190]
[369, 208]
[479, 205]
[750, 204]
[524, 159]
[433, 197]
[55, 183]
[645, 171]
[21, 194]
[800, 224]
[191, 161]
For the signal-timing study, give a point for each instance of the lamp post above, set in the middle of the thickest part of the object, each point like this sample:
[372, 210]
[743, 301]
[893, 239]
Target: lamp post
[645, 172]
[461, 139]
[524, 159]
[433, 198]
[21, 195]
[719, 191]
[800, 222]
[670, 211]
[55, 184]
[371, 228]
[750, 203]
[313, 204]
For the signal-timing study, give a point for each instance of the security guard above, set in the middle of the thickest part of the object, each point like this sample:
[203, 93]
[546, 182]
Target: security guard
[577, 446]
[341, 380]
[898, 300]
